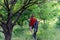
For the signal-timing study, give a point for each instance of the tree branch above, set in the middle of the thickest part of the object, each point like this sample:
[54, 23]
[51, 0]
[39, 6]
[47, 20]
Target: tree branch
[30, 4]
[25, 5]
[6, 4]
[3, 5]
[18, 15]
[22, 7]
[26, 2]
[20, 12]
[12, 2]
[8, 10]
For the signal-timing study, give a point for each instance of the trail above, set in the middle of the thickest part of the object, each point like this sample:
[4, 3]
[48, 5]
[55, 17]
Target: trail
[57, 35]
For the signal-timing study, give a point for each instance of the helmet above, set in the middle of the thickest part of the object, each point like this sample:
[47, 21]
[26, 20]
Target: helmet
[32, 15]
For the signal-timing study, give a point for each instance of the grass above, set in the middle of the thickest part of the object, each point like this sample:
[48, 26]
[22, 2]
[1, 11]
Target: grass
[25, 34]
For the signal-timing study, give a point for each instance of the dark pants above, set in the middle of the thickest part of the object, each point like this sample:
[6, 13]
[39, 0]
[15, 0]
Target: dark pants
[35, 29]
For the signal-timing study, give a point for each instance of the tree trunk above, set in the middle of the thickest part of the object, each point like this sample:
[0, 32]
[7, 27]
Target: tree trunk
[7, 36]
[7, 31]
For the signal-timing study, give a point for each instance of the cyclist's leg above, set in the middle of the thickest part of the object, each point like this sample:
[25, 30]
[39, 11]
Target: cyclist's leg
[35, 29]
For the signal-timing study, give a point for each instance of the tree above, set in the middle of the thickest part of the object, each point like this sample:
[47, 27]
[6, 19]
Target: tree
[9, 11]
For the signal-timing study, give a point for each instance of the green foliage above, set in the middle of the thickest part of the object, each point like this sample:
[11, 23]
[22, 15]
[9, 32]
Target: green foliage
[24, 17]
[47, 11]
[58, 23]
[3, 12]
[44, 26]
[17, 6]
